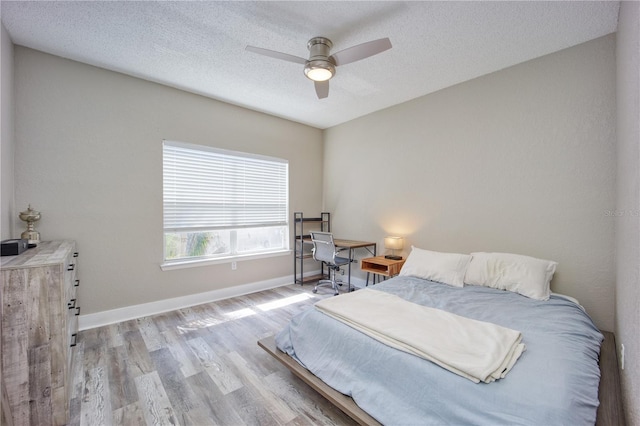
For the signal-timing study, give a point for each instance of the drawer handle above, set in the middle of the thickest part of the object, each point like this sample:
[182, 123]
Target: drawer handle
[75, 254]
[71, 267]
[78, 311]
[77, 283]
[72, 304]
[74, 338]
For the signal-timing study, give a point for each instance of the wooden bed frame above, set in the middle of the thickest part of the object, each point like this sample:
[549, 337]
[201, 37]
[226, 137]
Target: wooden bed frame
[609, 411]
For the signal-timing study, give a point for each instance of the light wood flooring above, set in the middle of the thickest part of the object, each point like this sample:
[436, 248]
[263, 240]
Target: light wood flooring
[197, 366]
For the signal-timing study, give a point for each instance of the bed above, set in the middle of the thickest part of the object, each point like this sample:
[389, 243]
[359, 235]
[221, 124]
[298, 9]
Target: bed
[555, 380]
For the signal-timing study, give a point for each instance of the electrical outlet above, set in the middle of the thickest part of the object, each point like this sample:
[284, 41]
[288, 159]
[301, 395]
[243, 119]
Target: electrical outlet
[622, 356]
[234, 266]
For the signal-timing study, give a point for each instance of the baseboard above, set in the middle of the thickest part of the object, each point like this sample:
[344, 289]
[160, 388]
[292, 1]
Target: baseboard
[126, 313]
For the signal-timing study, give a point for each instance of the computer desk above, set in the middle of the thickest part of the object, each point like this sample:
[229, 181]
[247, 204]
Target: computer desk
[352, 245]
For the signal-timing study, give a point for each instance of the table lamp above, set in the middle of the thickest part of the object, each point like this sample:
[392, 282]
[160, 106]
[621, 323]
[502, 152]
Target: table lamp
[393, 243]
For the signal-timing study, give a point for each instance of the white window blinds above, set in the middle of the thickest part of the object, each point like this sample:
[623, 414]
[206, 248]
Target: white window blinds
[207, 188]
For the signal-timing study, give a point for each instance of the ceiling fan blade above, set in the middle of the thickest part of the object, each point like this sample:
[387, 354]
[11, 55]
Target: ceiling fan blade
[277, 55]
[322, 88]
[361, 51]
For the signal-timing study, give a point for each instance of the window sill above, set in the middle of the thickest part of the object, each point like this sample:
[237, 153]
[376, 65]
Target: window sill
[195, 263]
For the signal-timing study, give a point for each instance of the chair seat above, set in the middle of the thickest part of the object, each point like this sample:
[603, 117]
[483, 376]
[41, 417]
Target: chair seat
[341, 260]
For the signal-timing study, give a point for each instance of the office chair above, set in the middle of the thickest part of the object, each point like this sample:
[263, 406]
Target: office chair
[324, 250]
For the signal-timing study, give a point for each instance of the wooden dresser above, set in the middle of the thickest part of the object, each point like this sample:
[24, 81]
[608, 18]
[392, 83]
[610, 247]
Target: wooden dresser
[39, 330]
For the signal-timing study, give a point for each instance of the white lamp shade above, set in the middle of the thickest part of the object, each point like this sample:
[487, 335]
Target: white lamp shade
[393, 243]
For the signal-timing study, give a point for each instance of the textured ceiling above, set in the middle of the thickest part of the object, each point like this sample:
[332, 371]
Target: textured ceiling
[199, 46]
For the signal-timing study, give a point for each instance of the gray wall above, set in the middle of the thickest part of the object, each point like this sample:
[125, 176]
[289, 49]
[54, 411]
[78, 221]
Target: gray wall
[520, 161]
[7, 143]
[627, 218]
[89, 157]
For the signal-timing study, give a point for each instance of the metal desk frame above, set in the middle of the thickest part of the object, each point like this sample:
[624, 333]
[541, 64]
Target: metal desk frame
[352, 245]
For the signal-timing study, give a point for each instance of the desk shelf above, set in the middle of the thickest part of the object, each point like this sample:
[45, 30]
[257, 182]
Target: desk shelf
[303, 245]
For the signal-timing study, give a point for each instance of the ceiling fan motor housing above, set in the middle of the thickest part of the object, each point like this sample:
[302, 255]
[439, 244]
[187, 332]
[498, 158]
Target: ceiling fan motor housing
[319, 50]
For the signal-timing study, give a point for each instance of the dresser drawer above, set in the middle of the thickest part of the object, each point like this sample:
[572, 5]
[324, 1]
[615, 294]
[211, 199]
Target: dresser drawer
[38, 324]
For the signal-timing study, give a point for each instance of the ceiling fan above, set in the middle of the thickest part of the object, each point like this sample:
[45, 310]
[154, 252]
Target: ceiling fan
[321, 66]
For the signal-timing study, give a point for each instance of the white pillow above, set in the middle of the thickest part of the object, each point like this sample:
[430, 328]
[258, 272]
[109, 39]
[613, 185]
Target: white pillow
[447, 268]
[525, 275]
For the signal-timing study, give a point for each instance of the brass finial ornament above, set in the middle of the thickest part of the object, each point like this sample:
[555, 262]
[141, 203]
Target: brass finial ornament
[30, 216]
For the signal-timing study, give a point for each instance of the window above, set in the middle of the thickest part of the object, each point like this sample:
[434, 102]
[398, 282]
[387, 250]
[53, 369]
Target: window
[222, 204]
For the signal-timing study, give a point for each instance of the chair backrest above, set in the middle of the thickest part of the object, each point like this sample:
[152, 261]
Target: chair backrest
[324, 249]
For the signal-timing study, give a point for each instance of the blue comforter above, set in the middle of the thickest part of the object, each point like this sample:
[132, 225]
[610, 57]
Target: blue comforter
[555, 381]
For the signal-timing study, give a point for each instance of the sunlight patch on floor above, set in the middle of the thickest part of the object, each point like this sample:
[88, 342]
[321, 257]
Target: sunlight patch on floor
[240, 313]
[284, 302]
[244, 312]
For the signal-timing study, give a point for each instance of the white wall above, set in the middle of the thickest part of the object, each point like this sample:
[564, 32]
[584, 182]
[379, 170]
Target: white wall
[89, 157]
[520, 161]
[627, 321]
[7, 146]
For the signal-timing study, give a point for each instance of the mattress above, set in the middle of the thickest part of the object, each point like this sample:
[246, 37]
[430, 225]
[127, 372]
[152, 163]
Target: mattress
[555, 381]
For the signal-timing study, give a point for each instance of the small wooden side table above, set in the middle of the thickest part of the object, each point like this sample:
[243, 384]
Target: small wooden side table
[379, 265]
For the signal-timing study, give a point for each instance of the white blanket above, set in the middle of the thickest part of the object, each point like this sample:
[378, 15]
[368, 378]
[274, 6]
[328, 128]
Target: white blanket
[477, 350]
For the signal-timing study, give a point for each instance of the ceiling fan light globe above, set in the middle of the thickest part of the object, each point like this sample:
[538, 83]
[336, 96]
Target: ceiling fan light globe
[319, 74]
[319, 70]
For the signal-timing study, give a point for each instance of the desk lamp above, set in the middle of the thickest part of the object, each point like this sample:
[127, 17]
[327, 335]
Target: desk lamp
[393, 243]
